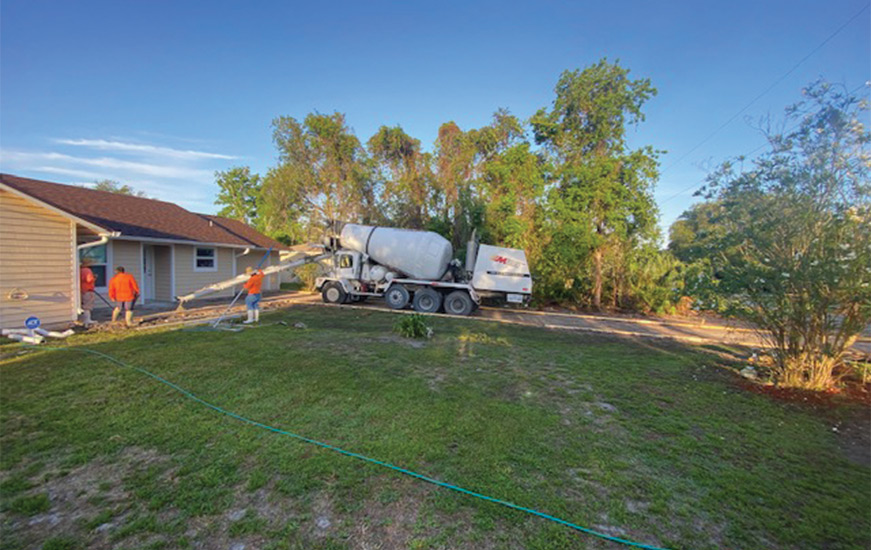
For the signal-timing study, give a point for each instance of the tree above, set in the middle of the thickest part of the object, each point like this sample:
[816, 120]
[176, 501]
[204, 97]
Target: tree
[239, 189]
[512, 187]
[692, 235]
[323, 167]
[113, 186]
[793, 249]
[281, 209]
[404, 171]
[453, 164]
[602, 193]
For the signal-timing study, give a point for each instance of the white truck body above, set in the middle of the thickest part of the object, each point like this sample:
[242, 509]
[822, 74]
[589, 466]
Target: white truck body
[500, 269]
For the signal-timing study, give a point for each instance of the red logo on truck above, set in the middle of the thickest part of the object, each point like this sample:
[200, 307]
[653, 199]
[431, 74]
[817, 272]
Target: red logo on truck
[504, 260]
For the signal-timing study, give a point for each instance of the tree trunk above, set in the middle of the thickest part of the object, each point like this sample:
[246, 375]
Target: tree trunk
[597, 278]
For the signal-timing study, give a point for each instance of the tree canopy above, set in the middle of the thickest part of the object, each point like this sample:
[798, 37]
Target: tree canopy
[113, 186]
[786, 236]
[239, 190]
[564, 186]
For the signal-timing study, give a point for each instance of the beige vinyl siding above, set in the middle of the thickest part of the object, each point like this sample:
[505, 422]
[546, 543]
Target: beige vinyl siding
[162, 273]
[127, 254]
[36, 256]
[252, 259]
[187, 280]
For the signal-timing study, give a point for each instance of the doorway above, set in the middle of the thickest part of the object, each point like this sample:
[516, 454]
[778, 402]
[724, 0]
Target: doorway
[147, 273]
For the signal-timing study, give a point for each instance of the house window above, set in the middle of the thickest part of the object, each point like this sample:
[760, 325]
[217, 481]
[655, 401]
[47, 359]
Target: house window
[205, 259]
[97, 256]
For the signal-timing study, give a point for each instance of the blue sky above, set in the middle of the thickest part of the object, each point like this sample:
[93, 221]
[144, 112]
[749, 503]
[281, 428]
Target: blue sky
[161, 94]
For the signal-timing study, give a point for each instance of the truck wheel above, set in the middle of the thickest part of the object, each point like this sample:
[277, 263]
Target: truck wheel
[427, 301]
[333, 293]
[459, 302]
[396, 297]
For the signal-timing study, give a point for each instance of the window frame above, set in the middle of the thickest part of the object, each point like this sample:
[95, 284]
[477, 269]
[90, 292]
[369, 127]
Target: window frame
[104, 264]
[213, 257]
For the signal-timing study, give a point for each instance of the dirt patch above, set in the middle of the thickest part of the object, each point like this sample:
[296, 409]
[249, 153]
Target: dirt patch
[79, 500]
[397, 517]
[852, 392]
[854, 438]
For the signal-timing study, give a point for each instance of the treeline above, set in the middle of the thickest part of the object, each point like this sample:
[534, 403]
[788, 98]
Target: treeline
[563, 185]
[782, 240]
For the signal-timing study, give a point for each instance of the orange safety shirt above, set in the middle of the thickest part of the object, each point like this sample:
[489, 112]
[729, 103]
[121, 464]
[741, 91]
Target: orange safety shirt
[123, 288]
[254, 283]
[87, 278]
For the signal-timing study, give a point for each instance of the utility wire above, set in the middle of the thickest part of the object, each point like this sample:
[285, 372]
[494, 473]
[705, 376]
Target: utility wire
[766, 90]
[700, 184]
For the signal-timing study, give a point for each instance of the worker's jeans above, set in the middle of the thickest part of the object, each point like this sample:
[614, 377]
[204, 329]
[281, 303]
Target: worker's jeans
[252, 301]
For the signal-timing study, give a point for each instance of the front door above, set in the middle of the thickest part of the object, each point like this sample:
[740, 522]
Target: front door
[147, 273]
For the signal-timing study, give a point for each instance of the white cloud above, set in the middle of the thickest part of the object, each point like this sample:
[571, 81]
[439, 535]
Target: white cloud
[185, 177]
[143, 149]
[115, 165]
[83, 174]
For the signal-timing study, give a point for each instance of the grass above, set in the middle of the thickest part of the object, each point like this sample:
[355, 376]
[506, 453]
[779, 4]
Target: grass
[647, 441]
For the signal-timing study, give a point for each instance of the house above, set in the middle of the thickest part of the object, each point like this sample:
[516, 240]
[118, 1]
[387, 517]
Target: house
[46, 228]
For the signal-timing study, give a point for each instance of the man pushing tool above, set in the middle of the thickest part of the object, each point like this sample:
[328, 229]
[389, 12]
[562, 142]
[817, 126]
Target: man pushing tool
[123, 290]
[252, 301]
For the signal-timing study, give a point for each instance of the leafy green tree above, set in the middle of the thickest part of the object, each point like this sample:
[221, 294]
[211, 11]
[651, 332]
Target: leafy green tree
[238, 192]
[281, 208]
[602, 194]
[512, 188]
[691, 236]
[453, 167]
[404, 171]
[792, 252]
[323, 168]
[113, 186]
[654, 280]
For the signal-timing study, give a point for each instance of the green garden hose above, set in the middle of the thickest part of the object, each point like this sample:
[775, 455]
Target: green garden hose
[422, 477]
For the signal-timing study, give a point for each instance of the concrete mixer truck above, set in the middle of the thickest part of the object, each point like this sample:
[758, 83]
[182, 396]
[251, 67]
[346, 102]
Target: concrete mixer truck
[417, 268]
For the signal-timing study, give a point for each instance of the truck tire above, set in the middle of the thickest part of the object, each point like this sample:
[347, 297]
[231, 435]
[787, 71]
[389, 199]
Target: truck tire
[459, 302]
[427, 300]
[396, 297]
[333, 293]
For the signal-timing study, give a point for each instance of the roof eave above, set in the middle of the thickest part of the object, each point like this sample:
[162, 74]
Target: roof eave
[123, 237]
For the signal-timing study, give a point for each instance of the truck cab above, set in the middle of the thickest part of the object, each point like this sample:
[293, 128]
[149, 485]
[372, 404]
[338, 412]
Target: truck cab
[347, 264]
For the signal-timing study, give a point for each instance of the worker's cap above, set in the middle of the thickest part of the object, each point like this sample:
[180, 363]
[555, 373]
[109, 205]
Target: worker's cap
[249, 270]
[86, 261]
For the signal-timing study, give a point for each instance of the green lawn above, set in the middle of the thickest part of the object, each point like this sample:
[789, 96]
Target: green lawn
[646, 441]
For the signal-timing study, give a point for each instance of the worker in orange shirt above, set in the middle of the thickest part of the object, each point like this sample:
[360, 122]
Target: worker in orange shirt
[87, 286]
[123, 290]
[252, 301]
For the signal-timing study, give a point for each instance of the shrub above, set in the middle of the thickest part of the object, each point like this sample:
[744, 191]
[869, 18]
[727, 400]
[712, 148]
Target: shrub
[413, 326]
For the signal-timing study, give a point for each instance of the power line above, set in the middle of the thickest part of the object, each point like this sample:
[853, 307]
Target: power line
[754, 100]
[768, 89]
[699, 184]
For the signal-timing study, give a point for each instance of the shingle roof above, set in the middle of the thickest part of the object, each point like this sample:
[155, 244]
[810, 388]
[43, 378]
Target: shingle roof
[139, 217]
[245, 231]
